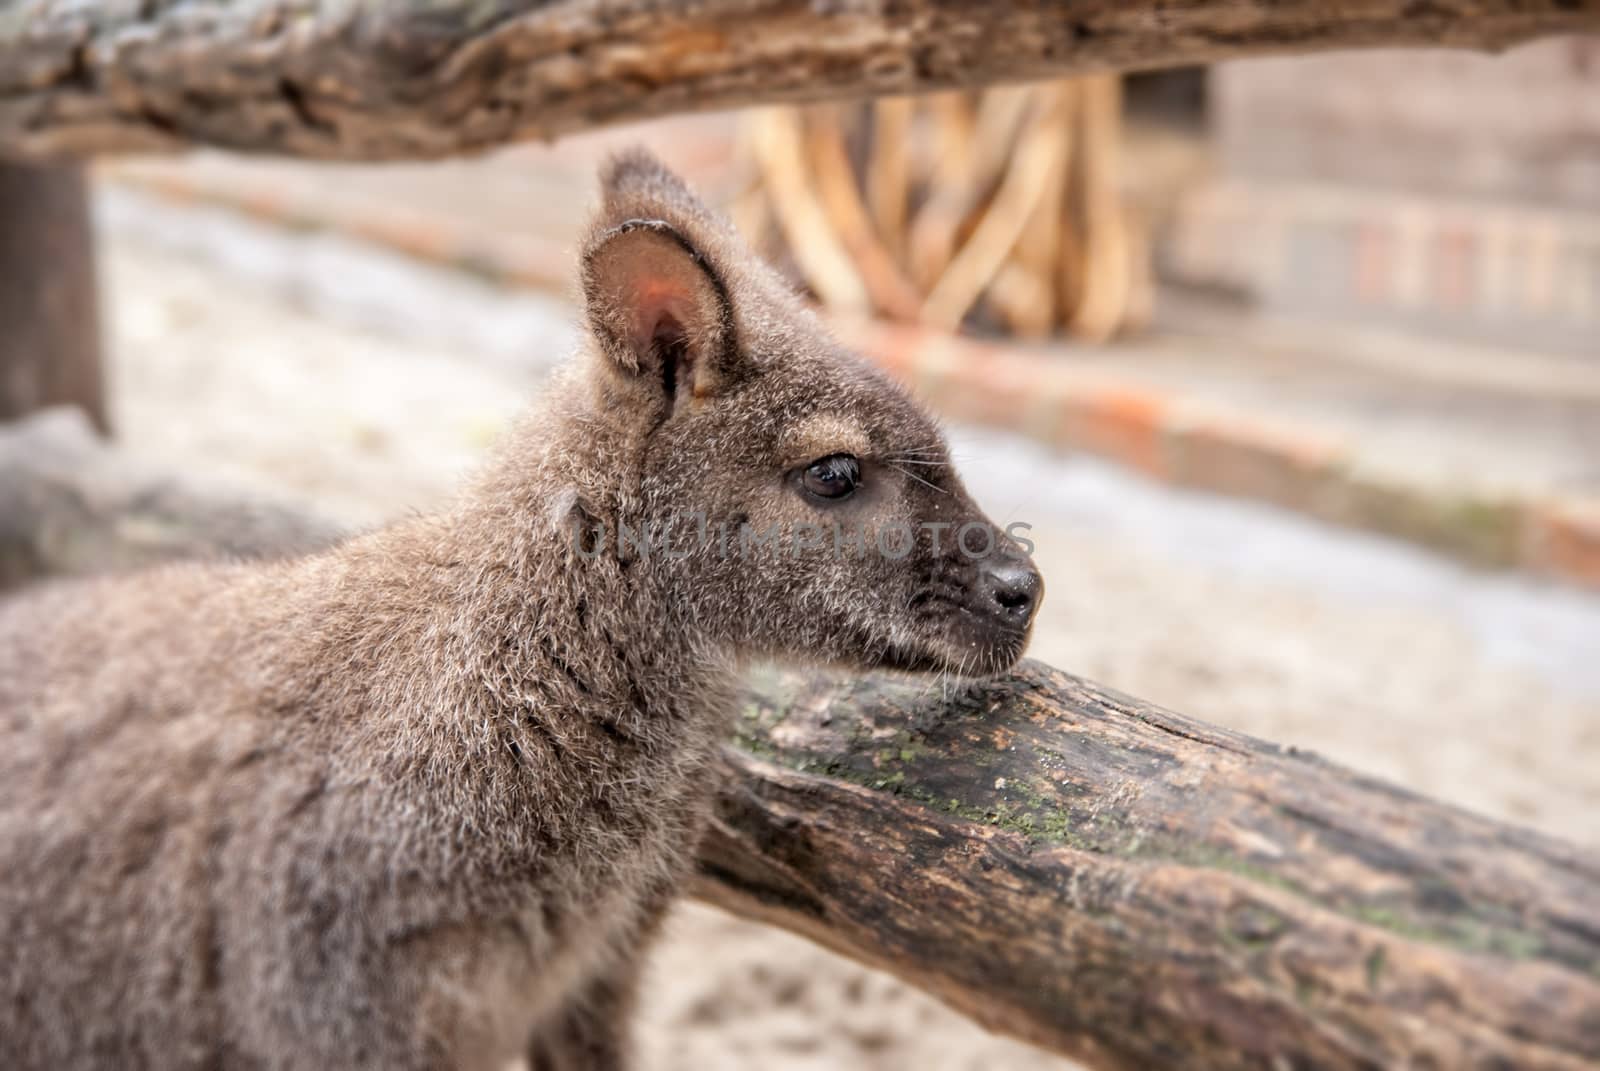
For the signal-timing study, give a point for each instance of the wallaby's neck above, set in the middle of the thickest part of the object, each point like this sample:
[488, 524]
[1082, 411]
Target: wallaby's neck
[487, 640]
[552, 616]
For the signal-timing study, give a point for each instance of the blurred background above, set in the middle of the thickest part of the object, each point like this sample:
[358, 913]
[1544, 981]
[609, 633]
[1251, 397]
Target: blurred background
[1293, 365]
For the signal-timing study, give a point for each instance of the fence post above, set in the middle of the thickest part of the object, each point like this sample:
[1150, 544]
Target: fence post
[49, 308]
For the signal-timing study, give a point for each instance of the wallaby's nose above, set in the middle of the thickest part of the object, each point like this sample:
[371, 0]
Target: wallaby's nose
[1011, 589]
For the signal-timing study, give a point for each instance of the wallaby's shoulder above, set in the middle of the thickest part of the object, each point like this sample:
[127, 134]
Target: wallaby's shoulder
[63, 628]
[184, 617]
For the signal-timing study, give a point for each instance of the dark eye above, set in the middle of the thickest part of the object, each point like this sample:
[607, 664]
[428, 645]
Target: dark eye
[834, 476]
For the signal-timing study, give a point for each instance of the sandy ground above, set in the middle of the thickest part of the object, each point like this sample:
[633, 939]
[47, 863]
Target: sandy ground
[371, 384]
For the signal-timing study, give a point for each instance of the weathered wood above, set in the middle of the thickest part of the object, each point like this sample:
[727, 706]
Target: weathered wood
[49, 315]
[368, 80]
[1137, 889]
[1066, 864]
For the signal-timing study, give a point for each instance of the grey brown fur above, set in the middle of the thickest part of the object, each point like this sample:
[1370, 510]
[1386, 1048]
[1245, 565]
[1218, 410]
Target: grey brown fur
[418, 801]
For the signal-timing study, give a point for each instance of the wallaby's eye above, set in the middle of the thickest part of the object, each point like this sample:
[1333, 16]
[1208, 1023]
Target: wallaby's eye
[834, 476]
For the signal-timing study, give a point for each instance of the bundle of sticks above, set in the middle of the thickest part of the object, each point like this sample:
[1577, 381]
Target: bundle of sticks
[1000, 209]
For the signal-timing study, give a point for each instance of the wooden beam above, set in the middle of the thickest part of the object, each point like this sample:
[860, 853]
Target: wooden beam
[1137, 889]
[1068, 865]
[49, 313]
[359, 79]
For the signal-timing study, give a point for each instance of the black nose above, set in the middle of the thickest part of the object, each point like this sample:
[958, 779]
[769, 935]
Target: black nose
[1011, 589]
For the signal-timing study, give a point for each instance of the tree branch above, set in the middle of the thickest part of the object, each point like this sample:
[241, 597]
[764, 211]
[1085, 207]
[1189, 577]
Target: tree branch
[1136, 889]
[360, 79]
[1077, 868]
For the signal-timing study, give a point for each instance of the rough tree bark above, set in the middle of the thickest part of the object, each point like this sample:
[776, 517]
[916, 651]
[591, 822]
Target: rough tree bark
[49, 314]
[358, 79]
[1138, 889]
[1066, 864]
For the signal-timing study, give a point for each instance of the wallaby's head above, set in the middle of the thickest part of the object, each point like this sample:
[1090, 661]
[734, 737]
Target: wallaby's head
[804, 505]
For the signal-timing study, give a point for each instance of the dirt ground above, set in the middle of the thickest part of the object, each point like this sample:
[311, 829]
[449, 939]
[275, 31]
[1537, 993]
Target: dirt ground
[370, 385]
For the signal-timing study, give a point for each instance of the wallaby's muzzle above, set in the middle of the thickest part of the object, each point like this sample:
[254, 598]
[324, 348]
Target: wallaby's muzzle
[1010, 589]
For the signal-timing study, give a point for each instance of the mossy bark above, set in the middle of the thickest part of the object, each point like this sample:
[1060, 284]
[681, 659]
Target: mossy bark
[1069, 865]
[1139, 889]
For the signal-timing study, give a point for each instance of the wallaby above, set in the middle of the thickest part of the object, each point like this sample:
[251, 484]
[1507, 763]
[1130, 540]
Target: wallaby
[419, 800]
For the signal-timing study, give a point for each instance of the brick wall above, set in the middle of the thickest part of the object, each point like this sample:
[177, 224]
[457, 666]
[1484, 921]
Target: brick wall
[1451, 193]
[1521, 126]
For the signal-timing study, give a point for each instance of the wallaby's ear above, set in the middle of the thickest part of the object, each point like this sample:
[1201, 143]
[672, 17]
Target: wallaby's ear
[656, 307]
[657, 304]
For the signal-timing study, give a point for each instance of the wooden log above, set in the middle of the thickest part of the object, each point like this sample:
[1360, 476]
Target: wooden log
[1136, 889]
[1029, 171]
[1077, 868]
[1105, 280]
[778, 144]
[49, 312]
[331, 78]
[889, 172]
[891, 294]
[1025, 292]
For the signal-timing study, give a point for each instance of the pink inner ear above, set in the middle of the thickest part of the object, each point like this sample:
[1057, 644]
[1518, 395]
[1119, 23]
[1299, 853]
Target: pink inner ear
[658, 303]
[648, 291]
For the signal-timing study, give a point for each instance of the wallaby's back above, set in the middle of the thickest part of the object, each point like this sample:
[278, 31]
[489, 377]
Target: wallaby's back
[116, 782]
